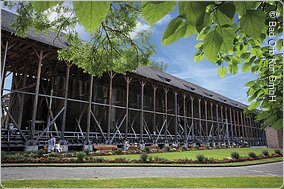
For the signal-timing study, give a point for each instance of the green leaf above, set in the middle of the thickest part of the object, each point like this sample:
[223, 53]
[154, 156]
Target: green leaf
[233, 68]
[194, 13]
[279, 44]
[224, 14]
[255, 68]
[228, 35]
[212, 44]
[250, 83]
[245, 55]
[263, 115]
[254, 105]
[243, 6]
[91, 13]
[253, 23]
[246, 67]
[154, 11]
[175, 30]
[236, 60]
[277, 124]
[41, 6]
[222, 71]
[252, 97]
[228, 9]
[190, 30]
[256, 51]
[198, 45]
[198, 57]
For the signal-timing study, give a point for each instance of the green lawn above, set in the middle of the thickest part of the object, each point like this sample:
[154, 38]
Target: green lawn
[217, 182]
[216, 153]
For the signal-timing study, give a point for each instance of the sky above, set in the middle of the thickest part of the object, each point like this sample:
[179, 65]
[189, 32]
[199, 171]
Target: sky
[179, 57]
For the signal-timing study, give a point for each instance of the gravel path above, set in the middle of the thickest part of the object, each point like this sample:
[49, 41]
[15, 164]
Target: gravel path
[35, 173]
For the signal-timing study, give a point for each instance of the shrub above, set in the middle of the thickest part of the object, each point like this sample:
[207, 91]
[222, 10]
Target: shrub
[150, 158]
[41, 152]
[252, 155]
[278, 152]
[147, 149]
[235, 155]
[200, 157]
[167, 148]
[265, 153]
[117, 151]
[217, 147]
[80, 156]
[98, 160]
[87, 152]
[144, 157]
[207, 147]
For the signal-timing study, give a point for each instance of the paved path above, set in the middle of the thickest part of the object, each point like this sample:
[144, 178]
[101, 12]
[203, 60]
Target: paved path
[29, 173]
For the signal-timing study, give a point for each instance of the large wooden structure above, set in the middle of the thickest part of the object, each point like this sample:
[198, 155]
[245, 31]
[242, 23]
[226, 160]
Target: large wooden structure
[147, 106]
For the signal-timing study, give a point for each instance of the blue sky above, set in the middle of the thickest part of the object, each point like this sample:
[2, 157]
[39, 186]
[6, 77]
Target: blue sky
[179, 57]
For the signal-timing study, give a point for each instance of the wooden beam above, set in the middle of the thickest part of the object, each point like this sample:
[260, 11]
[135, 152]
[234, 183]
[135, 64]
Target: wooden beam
[166, 90]
[68, 66]
[40, 56]
[142, 112]
[89, 110]
[176, 117]
[111, 76]
[185, 121]
[128, 80]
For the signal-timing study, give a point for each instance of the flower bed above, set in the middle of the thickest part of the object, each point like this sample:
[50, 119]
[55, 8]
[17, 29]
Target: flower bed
[71, 158]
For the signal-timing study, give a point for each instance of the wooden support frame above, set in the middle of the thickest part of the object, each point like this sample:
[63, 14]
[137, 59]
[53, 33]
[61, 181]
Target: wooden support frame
[142, 112]
[127, 80]
[66, 86]
[89, 111]
[176, 117]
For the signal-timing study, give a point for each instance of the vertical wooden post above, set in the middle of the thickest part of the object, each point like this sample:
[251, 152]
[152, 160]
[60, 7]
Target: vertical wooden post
[227, 125]
[142, 112]
[154, 111]
[68, 66]
[185, 121]
[252, 130]
[235, 124]
[192, 115]
[176, 118]
[127, 79]
[199, 114]
[212, 121]
[36, 95]
[232, 126]
[222, 120]
[166, 115]
[218, 126]
[206, 121]
[21, 107]
[242, 125]
[111, 76]
[89, 110]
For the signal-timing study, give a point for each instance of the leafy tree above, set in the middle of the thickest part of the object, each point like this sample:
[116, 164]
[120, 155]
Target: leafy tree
[233, 34]
[110, 24]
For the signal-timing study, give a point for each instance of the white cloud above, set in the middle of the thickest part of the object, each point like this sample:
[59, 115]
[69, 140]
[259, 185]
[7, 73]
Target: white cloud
[140, 27]
[164, 20]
